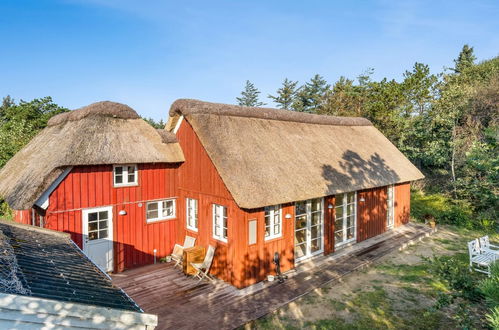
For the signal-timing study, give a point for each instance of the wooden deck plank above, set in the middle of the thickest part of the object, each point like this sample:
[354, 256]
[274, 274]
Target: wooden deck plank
[182, 303]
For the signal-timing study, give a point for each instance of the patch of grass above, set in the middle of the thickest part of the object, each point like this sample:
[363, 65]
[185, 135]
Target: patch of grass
[337, 305]
[406, 273]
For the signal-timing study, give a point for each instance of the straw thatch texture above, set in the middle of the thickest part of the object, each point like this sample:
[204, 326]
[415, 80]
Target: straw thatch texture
[102, 133]
[273, 158]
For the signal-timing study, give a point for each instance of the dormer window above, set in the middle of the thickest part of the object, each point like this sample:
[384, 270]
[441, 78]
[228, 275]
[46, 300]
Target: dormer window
[125, 175]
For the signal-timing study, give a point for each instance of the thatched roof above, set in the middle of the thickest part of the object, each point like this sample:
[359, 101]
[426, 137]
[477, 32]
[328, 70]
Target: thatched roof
[270, 156]
[101, 133]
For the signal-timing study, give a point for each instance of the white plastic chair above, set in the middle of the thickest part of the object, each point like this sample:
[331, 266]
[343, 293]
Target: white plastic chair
[178, 250]
[480, 260]
[202, 269]
[487, 247]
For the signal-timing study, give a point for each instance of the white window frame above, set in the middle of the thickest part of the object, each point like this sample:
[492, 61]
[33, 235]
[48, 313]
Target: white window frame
[124, 174]
[221, 224]
[271, 214]
[160, 209]
[344, 206]
[188, 218]
[390, 223]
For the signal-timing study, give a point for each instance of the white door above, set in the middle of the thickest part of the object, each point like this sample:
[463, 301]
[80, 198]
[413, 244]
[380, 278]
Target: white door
[309, 228]
[98, 236]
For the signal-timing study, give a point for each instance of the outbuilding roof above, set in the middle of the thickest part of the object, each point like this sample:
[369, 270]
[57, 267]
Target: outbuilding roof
[46, 264]
[269, 156]
[101, 133]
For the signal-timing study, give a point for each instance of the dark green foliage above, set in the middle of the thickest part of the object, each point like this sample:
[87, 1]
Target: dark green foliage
[19, 123]
[249, 96]
[156, 124]
[465, 60]
[311, 97]
[286, 95]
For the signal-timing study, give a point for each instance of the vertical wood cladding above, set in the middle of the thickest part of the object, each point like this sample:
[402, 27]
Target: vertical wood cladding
[402, 203]
[371, 213]
[134, 239]
[198, 179]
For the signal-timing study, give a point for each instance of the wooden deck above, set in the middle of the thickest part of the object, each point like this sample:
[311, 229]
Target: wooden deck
[182, 303]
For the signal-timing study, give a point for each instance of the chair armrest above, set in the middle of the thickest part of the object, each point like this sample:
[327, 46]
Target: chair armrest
[178, 250]
[494, 246]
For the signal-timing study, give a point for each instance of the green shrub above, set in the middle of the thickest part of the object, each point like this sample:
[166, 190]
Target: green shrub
[489, 287]
[5, 210]
[493, 318]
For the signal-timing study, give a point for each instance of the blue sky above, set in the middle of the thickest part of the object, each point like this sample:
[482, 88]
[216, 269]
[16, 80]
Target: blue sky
[149, 53]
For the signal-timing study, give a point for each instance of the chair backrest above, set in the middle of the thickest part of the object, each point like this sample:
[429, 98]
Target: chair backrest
[208, 258]
[189, 241]
[484, 242]
[473, 248]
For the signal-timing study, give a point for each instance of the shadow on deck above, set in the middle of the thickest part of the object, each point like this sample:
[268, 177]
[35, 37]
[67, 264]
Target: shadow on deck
[184, 303]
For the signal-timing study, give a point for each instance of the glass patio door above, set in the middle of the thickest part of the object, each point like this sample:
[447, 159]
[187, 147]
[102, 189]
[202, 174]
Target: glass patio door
[309, 228]
[345, 221]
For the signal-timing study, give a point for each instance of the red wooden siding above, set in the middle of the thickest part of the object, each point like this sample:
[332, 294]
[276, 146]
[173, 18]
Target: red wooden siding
[371, 213]
[402, 203]
[198, 178]
[329, 225]
[134, 239]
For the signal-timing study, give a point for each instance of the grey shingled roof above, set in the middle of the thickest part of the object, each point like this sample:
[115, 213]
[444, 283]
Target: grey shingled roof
[49, 265]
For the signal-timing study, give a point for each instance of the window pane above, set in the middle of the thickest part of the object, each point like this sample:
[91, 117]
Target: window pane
[225, 233]
[92, 226]
[152, 210]
[131, 177]
[301, 208]
[103, 233]
[351, 209]
[350, 233]
[316, 218]
[276, 229]
[338, 236]
[338, 200]
[92, 216]
[351, 197]
[315, 245]
[300, 236]
[118, 170]
[301, 222]
[102, 224]
[339, 212]
[316, 204]
[118, 179]
[315, 231]
[225, 211]
[300, 250]
[338, 224]
[92, 235]
[351, 221]
[102, 215]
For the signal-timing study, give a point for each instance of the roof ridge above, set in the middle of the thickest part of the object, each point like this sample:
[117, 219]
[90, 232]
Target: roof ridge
[194, 107]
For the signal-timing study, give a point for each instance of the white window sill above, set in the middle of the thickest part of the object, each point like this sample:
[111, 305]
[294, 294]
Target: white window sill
[160, 219]
[120, 185]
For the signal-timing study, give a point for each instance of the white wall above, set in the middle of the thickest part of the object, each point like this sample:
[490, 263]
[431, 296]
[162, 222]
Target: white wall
[22, 312]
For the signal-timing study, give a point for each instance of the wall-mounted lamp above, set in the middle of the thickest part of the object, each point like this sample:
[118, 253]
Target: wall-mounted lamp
[330, 206]
[140, 204]
[288, 216]
[362, 199]
[122, 212]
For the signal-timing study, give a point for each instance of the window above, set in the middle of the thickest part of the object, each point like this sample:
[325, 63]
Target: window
[220, 222]
[192, 213]
[125, 175]
[160, 210]
[345, 218]
[252, 229]
[389, 207]
[273, 222]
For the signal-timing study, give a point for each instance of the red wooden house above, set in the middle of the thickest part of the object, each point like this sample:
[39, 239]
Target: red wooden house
[250, 181]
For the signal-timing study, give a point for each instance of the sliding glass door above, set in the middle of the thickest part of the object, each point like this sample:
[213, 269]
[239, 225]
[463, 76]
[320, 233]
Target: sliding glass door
[345, 224]
[309, 228]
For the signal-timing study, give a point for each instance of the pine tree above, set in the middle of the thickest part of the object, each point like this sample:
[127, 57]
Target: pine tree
[312, 95]
[286, 95]
[249, 96]
[465, 59]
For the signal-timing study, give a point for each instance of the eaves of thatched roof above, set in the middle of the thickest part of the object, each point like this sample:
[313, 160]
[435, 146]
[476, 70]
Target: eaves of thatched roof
[101, 133]
[269, 156]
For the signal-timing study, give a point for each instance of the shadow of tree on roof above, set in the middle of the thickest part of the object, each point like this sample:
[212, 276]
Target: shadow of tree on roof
[358, 173]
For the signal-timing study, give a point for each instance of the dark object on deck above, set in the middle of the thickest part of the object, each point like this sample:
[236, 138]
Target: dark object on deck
[277, 263]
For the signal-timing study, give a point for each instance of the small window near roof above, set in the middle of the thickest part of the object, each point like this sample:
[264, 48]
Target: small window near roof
[160, 210]
[125, 175]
